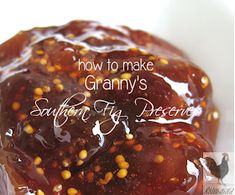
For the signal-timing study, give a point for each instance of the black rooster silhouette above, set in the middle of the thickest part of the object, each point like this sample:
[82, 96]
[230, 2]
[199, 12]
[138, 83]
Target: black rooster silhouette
[218, 171]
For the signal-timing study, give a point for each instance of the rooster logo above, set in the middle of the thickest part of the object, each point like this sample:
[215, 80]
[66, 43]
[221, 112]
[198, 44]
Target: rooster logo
[218, 171]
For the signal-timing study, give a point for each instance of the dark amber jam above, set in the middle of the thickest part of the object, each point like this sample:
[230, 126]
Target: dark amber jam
[140, 153]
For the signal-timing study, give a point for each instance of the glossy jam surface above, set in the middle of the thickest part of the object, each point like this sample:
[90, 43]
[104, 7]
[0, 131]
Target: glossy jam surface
[143, 154]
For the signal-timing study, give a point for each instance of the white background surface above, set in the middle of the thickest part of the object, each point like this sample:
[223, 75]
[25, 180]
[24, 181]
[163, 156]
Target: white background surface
[202, 28]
